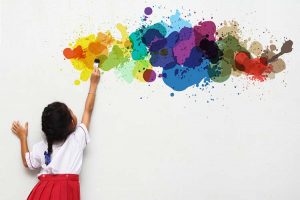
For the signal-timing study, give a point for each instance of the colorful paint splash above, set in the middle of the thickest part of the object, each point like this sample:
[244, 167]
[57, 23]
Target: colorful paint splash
[179, 53]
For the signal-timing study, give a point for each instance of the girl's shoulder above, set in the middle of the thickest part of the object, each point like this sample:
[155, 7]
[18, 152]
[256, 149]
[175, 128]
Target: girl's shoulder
[80, 135]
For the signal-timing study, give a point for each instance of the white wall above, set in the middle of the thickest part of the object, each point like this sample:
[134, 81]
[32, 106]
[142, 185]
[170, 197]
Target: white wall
[238, 147]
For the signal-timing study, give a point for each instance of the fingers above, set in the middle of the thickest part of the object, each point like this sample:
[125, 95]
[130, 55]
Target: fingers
[13, 130]
[95, 77]
[96, 72]
[14, 127]
[15, 124]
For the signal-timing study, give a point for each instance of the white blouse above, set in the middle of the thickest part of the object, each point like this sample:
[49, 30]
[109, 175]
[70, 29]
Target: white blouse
[66, 157]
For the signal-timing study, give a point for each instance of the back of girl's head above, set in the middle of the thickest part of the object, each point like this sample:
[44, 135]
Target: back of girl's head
[56, 121]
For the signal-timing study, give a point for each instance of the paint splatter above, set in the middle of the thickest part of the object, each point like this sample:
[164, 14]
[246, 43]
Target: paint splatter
[179, 53]
[148, 11]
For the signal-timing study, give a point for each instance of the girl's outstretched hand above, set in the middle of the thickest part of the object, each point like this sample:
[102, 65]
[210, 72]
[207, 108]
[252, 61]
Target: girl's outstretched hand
[95, 77]
[90, 100]
[19, 130]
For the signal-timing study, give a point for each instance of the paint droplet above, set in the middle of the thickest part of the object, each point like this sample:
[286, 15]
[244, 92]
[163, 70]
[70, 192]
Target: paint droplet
[77, 82]
[149, 75]
[172, 94]
[148, 11]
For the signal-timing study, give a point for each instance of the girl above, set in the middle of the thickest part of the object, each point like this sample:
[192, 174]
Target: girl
[60, 156]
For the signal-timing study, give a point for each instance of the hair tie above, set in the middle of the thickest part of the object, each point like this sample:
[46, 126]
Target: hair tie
[47, 158]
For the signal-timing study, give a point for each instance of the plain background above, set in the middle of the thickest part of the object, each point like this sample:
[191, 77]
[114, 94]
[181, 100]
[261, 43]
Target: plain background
[242, 145]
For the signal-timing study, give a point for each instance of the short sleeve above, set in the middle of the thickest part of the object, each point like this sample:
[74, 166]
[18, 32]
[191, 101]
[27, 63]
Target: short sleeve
[33, 158]
[82, 135]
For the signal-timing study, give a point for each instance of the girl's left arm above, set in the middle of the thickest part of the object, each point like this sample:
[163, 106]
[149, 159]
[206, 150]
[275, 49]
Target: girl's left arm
[22, 133]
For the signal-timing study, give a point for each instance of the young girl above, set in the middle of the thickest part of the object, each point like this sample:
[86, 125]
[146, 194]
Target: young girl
[60, 156]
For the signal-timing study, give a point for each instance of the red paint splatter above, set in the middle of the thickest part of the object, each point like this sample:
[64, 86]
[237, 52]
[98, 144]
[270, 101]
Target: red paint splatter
[149, 75]
[258, 68]
[77, 53]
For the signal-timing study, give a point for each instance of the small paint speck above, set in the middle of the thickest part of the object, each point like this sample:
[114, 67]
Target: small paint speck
[172, 94]
[77, 82]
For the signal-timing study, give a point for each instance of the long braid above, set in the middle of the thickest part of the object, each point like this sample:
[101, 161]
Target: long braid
[48, 154]
[50, 147]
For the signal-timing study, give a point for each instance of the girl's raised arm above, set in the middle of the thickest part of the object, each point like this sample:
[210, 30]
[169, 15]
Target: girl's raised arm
[90, 99]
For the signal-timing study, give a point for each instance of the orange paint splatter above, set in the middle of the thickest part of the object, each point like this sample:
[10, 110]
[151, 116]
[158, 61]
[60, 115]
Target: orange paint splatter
[96, 48]
[76, 53]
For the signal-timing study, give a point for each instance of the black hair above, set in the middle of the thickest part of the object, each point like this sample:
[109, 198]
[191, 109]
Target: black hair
[56, 121]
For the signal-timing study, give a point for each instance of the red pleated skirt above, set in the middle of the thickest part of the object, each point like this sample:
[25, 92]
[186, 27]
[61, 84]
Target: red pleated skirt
[56, 187]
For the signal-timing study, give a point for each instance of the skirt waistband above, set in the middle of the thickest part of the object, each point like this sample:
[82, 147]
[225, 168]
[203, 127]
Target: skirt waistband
[54, 177]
